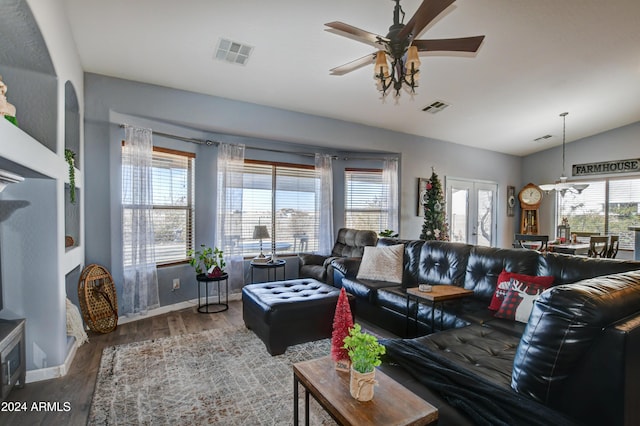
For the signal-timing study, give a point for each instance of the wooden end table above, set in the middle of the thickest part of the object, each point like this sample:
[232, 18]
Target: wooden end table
[438, 294]
[392, 404]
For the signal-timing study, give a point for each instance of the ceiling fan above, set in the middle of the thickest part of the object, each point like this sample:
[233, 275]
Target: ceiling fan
[402, 47]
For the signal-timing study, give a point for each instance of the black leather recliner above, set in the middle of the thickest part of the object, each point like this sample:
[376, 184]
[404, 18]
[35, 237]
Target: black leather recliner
[349, 243]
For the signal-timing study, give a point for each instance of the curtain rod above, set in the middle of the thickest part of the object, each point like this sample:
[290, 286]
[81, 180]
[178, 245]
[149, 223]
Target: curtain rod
[209, 142]
[346, 158]
[182, 138]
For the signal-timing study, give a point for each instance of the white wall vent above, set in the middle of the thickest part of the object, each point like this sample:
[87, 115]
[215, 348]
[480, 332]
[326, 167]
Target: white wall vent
[435, 107]
[232, 51]
[542, 138]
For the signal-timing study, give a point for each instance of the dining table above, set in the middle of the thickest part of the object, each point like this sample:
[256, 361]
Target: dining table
[576, 249]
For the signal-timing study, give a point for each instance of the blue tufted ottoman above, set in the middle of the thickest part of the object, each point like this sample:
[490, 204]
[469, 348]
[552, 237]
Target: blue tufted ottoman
[285, 313]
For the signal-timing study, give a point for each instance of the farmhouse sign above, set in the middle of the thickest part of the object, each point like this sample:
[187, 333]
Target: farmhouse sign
[606, 167]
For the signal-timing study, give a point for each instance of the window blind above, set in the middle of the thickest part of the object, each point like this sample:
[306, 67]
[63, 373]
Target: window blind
[173, 205]
[366, 198]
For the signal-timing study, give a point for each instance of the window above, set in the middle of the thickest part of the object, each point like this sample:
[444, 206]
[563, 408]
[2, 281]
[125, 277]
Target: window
[606, 206]
[173, 205]
[366, 195]
[276, 193]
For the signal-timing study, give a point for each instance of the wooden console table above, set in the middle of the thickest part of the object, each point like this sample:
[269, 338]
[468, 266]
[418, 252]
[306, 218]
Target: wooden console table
[392, 404]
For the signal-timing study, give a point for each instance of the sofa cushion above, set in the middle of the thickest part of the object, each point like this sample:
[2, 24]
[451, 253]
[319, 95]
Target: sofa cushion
[382, 264]
[484, 351]
[365, 289]
[486, 263]
[518, 301]
[503, 285]
[351, 242]
[569, 269]
[442, 262]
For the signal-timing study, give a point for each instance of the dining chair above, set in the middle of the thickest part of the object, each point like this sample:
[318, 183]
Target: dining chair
[598, 246]
[614, 241]
[529, 241]
[584, 235]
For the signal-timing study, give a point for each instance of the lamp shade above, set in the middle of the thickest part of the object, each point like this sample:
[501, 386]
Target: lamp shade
[260, 232]
[412, 58]
[381, 65]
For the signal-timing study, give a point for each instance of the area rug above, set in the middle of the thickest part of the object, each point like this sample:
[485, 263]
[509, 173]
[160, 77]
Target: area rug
[222, 377]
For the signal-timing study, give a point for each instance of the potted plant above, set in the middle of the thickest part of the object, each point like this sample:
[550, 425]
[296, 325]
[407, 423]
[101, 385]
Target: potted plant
[207, 260]
[389, 233]
[70, 158]
[364, 352]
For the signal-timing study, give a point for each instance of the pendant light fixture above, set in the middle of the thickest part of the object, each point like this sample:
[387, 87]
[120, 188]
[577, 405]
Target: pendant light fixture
[563, 186]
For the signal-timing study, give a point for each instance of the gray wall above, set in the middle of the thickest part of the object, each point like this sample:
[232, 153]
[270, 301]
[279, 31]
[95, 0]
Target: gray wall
[110, 102]
[546, 166]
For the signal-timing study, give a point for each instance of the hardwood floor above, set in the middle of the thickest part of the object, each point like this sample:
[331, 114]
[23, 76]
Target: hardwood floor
[76, 388]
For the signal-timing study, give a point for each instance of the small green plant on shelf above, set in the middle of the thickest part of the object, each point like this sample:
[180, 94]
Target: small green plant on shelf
[364, 350]
[207, 260]
[70, 157]
[389, 233]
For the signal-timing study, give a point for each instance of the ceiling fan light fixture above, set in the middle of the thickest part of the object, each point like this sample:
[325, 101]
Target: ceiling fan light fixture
[403, 66]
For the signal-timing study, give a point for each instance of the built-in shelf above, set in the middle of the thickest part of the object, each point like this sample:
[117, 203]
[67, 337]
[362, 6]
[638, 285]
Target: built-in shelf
[22, 154]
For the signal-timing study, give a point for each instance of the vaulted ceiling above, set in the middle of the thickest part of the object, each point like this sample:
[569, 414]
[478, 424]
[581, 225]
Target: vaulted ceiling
[539, 58]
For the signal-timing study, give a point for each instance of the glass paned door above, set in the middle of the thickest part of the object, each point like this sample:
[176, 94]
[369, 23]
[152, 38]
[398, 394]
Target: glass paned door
[472, 211]
[485, 216]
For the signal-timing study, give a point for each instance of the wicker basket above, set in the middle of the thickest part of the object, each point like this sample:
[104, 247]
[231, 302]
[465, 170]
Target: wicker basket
[98, 300]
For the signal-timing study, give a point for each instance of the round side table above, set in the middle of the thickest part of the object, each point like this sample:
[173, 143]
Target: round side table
[203, 308]
[273, 265]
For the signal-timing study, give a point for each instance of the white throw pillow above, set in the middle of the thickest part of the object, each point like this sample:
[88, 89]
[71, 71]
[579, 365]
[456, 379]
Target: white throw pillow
[382, 263]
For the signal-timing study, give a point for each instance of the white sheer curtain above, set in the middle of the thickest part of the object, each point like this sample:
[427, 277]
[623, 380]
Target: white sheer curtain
[390, 180]
[324, 203]
[229, 219]
[140, 289]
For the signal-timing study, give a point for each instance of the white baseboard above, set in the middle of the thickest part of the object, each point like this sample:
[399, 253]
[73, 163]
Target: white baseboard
[61, 370]
[53, 372]
[170, 308]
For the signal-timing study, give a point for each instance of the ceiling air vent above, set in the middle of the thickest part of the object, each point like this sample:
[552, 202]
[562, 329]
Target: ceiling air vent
[232, 51]
[542, 138]
[435, 107]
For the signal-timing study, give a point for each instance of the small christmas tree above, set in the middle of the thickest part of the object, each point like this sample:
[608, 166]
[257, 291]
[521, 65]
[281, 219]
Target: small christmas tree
[435, 219]
[342, 322]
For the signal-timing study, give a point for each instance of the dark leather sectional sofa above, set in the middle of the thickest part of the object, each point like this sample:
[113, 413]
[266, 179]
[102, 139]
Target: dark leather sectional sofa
[579, 353]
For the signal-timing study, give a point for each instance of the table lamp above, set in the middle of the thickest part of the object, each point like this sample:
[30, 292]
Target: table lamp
[260, 232]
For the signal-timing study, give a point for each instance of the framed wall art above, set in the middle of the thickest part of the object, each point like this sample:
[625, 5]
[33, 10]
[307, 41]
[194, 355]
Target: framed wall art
[422, 190]
[511, 200]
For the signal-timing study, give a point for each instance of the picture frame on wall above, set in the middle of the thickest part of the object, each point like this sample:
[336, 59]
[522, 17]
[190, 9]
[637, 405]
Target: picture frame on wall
[511, 200]
[422, 190]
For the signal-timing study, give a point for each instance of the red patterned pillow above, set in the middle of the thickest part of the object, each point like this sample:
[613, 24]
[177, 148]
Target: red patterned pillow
[502, 285]
[518, 301]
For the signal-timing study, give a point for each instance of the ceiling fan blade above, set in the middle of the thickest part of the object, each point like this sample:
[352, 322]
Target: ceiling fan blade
[427, 12]
[346, 30]
[354, 65]
[462, 44]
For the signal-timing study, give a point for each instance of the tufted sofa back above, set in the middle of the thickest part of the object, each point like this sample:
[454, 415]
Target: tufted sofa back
[351, 242]
[486, 263]
[477, 268]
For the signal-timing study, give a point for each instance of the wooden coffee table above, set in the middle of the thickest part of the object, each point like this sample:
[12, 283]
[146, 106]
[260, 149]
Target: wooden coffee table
[438, 294]
[392, 404]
